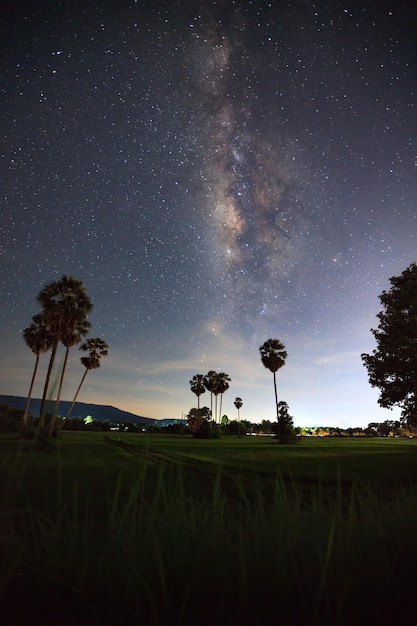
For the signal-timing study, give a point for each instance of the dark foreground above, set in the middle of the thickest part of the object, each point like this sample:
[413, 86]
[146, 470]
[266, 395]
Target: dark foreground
[171, 531]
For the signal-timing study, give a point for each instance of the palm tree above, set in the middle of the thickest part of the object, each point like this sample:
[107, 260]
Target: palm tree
[197, 387]
[238, 404]
[210, 382]
[65, 305]
[223, 381]
[69, 339]
[97, 349]
[38, 338]
[273, 357]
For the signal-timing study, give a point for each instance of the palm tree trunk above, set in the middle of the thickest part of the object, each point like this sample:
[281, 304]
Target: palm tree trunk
[61, 381]
[276, 396]
[45, 389]
[279, 420]
[32, 382]
[220, 412]
[76, 394]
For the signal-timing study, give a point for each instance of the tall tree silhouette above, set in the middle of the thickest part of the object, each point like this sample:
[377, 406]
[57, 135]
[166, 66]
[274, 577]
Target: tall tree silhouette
[198, 387]
[74, 336]
[238, 404]
[97, 349]
[39, 339]
[273, 355]
[210, 382]
[392, 365]
[223, 385]
[65, 305]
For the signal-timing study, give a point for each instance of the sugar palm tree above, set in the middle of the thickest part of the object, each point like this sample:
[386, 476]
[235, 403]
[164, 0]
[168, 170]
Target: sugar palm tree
[238, 404]
[273, 357]
[38, 338]
[197, 387]
[65, 305]
[223, 381]
[210, 382]
[70, 339]
[97, 349]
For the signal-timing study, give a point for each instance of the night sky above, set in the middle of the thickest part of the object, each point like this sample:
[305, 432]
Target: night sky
[217, 173]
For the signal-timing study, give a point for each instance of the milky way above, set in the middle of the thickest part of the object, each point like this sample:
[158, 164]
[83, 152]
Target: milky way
[217, 173]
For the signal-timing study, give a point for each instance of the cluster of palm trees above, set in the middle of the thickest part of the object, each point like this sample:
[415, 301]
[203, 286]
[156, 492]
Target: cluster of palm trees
[273, 355]
[63, 319]
[216, 383]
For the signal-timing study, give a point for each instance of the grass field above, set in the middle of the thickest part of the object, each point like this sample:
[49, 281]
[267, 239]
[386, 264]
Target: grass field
[161, 529]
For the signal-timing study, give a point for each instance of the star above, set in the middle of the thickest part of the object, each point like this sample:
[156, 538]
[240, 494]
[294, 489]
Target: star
[216, 174]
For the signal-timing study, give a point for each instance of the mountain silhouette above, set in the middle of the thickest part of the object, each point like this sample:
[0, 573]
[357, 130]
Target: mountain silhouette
[99, 412]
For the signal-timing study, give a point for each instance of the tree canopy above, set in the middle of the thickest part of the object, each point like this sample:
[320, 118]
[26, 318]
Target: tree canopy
[392, 366]
[197, 386]
[273, 354]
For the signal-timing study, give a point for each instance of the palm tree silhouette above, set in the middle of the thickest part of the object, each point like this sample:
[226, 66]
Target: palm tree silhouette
[65, 306]
[223, 381]
[69, 340]
[197, 387]
[210, 382]
[273, 355]
[97, 349]
[238, 404]
[38, 338]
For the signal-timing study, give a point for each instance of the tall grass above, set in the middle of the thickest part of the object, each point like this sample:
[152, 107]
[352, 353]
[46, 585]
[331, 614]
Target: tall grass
[161, 545]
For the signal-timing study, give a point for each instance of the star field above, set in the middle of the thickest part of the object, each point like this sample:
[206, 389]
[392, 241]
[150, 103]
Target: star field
[217, 173]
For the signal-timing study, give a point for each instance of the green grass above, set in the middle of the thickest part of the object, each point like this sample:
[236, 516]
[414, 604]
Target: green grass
[383, 461]
[157, 530]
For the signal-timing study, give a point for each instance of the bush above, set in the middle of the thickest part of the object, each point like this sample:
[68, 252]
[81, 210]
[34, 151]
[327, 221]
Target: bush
[73, 423]
[11, 419]
[208, 430]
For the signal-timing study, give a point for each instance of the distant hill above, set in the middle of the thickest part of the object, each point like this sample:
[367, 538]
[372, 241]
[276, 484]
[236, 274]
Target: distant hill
[99, 412]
